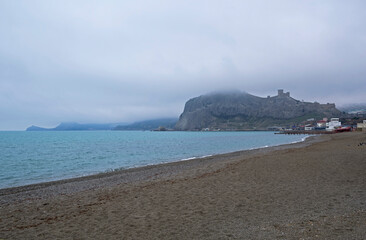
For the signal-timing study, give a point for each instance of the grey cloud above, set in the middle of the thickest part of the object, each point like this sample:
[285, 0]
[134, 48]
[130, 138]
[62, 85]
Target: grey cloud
[111, 61]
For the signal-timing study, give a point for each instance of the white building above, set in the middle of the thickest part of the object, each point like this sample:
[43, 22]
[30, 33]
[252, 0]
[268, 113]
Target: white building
[309, 127]
[361, 126]
[333, 124]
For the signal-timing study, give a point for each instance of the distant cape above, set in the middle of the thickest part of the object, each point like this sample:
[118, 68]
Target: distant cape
[72, 126]
[243, 111]
[166, 123]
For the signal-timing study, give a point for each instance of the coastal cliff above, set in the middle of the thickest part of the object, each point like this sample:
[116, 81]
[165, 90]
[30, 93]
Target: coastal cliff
[241, 111]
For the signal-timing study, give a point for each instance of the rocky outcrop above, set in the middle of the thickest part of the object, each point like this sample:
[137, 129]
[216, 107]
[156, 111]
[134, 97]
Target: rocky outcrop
[239, 111]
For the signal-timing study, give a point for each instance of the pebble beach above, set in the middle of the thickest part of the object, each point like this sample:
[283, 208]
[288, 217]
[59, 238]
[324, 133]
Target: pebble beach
[315, 189]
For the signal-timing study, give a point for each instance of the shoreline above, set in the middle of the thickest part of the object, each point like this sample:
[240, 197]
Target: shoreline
[309, 190]
[120, 161]
[138, 174]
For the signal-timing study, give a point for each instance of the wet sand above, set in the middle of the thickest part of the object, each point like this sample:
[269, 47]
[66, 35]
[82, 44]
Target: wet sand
[310, 190]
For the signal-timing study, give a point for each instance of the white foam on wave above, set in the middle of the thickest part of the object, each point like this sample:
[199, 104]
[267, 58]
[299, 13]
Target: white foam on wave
[190, 158]
[266, 146]
[302, 139]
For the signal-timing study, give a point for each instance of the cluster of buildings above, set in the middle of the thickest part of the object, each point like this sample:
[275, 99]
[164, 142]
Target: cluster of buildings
[334, 124]
[322, 125]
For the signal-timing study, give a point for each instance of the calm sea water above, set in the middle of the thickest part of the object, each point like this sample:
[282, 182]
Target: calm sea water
[33, 157]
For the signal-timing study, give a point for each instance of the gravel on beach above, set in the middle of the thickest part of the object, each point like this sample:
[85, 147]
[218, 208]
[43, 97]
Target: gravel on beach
[310, 190]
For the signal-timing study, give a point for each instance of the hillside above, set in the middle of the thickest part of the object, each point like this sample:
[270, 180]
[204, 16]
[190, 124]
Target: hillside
[167, 123]
[72, 126]
[242, 111]
[356, 108]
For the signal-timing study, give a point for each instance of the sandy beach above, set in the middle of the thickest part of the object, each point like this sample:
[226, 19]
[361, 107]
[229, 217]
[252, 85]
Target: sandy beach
[310, 190]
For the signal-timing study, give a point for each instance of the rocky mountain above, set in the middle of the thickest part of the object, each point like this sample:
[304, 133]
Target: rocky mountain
[243, 111]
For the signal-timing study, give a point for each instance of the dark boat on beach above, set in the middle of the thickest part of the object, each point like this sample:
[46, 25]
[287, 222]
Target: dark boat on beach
[343, 129]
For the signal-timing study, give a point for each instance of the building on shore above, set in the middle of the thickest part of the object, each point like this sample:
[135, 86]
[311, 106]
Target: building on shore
[309, 127]
[361, 126]
[275, 128]
[321, 125]
[333, 124]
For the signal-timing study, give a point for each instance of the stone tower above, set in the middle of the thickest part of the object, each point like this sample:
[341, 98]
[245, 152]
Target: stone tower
[282, 94]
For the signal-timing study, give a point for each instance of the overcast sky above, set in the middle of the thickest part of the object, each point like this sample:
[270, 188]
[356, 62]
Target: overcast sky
[122, 61]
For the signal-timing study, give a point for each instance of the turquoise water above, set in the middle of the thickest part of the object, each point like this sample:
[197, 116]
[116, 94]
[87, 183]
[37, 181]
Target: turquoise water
[33, 157]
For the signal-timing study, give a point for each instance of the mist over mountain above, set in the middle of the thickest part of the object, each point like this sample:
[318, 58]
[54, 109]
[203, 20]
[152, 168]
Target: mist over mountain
[73, 126]
[168, 123]
[241, 111]
[354, 108]
[230, 110]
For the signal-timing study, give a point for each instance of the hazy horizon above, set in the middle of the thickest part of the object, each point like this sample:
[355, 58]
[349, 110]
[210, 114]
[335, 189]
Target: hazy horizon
[105, 62]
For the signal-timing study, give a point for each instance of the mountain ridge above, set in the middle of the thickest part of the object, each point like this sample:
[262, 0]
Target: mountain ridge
[168, 123]
[74, 126]
[243, 111]
[153, 124]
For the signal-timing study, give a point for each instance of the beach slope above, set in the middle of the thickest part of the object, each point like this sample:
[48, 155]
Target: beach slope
[310, 190]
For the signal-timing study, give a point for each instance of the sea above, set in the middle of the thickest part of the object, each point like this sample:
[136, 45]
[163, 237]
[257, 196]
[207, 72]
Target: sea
[35, 157]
